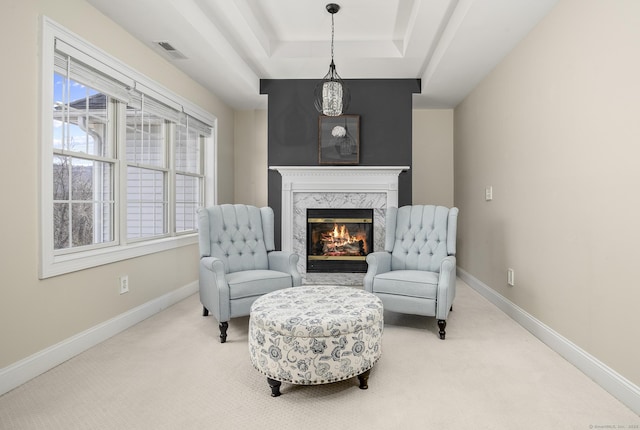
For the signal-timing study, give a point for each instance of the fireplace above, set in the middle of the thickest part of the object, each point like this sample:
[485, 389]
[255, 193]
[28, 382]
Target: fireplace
[338, 240]
[305, 187]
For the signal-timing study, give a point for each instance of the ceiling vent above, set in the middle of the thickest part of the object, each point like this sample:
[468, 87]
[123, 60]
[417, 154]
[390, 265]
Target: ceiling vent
[170, 50]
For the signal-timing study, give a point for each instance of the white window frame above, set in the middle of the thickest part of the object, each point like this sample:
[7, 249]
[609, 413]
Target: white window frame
[53, 264]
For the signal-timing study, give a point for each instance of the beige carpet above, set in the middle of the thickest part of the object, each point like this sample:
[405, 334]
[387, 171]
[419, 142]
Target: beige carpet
[170, 372]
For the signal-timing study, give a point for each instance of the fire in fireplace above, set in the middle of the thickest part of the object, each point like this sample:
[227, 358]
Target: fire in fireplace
[338, 240]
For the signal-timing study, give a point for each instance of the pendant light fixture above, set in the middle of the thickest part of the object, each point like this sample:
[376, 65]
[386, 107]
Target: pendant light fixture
[331, 95]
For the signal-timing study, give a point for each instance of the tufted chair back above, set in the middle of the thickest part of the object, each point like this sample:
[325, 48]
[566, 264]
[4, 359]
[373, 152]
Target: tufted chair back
[420, 237]
[239, 235]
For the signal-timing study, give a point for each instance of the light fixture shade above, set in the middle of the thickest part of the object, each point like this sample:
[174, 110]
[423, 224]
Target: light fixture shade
[332, 98]
[331, 95]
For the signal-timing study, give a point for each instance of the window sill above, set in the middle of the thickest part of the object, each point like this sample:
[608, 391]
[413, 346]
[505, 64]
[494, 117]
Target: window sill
[59, 265]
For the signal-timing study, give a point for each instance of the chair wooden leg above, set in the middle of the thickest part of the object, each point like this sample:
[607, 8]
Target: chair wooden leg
[442, 324]
[223, 331]
[205, 312]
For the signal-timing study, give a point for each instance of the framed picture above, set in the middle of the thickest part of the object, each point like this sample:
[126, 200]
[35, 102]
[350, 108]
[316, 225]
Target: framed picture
[339, 139]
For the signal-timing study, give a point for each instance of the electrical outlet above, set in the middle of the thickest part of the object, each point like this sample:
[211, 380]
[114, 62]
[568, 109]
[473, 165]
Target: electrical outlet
[124, 284]
[511, 280]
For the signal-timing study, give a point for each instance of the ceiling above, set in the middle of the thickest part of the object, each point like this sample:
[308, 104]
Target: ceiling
[228, 46]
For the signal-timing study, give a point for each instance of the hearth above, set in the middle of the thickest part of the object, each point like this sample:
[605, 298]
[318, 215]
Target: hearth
[339, 239]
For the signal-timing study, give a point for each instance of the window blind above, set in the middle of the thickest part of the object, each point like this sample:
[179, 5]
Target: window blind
[80, 67]
[72, 62]
[195, 124]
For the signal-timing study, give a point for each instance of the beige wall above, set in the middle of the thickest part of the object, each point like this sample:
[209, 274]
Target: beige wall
[555, 130]
[36, 314]
[432, 157]
[250, 168]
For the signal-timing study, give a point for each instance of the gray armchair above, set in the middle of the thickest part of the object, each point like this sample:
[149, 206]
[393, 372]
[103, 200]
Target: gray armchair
[238, 262]
[416, 272]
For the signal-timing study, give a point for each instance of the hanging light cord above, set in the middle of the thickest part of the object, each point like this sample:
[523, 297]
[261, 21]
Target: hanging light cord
[332, 37]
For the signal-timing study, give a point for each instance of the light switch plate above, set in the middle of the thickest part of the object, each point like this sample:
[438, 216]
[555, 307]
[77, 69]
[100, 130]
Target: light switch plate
[488, 193]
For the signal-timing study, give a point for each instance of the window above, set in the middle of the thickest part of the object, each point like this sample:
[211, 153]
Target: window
[123, 159]
[83, 165]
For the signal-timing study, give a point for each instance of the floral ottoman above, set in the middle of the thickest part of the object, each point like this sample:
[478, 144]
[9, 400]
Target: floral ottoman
[315, 335]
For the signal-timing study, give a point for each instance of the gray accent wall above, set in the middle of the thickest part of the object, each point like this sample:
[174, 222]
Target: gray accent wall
[385, 109]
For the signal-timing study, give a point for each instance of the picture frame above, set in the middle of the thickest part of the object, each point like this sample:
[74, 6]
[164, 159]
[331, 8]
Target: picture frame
[339, 139]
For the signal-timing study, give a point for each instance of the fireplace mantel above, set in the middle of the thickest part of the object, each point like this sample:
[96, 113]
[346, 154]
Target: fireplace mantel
[348, 186]
[359, 179]
[338, 170]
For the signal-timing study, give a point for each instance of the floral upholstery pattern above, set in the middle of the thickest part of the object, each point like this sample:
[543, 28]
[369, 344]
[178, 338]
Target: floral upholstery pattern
[315, 334]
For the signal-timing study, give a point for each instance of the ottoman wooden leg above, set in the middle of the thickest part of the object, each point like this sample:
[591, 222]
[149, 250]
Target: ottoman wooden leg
[275, 387]
[364, 379]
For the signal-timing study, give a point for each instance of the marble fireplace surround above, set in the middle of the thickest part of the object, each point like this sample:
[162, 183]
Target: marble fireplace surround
[374, 187]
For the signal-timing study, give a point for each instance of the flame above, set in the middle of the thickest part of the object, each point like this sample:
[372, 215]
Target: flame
[337, 239]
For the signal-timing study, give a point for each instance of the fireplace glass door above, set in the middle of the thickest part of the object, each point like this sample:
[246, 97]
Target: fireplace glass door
[338, 240]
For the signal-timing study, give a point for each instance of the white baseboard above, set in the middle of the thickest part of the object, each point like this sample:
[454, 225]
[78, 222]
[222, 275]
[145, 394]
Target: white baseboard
[618, 386]
[38, 363]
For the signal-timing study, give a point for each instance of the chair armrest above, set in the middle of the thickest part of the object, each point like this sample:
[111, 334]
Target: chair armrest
[446, 287]
[214, 289]
[377, 262]
[213, 264]
[287, 262]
